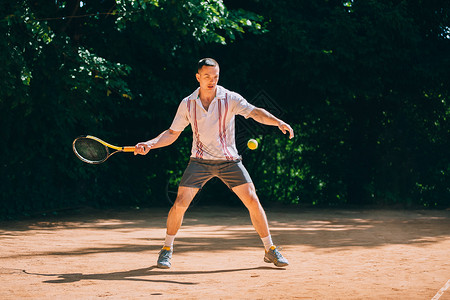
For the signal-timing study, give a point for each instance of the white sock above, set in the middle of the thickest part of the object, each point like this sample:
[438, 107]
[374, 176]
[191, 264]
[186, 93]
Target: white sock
[267, 241]
[169, 241]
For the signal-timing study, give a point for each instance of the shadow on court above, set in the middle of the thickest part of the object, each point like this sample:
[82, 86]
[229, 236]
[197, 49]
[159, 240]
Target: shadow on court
[333, 254]
[144, 272]
[231, 229]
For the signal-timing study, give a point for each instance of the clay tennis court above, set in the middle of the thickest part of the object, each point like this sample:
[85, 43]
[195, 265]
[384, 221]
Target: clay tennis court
[333, 254]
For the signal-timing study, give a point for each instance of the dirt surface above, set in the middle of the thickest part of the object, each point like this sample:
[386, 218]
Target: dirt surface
[333, 254]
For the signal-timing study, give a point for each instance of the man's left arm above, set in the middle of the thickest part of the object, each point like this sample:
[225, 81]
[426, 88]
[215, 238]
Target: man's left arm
[262, 116]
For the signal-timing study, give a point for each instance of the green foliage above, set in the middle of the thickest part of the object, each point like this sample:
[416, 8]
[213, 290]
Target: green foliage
[205, 21]
[72, 68]
[365, 84]
[358, 76]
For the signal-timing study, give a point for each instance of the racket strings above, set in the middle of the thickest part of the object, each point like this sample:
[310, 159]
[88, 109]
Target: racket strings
[90, 150]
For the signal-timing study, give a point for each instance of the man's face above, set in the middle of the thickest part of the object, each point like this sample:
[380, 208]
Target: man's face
[208, 77]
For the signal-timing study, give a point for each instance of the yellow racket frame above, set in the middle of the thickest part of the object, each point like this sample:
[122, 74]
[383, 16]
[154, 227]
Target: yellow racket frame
[123, 149]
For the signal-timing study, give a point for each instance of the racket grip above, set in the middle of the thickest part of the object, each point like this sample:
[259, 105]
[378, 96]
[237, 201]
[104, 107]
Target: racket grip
[128, 149]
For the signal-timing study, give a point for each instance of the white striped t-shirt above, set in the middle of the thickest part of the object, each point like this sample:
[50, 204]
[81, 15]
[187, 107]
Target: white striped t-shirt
[213, 130]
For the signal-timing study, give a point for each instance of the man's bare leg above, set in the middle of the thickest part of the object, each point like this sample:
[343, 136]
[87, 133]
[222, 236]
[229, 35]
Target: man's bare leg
[176, 213]
[247, 194]
[174, 221]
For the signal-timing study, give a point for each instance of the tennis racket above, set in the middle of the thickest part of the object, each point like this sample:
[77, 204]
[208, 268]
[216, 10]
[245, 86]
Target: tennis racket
[93, 150]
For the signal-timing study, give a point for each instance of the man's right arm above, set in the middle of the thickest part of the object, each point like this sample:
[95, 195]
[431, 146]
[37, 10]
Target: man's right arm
[164, 139]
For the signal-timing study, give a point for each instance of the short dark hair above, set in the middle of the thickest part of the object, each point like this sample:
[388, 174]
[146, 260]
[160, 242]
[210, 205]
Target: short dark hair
[209, 62]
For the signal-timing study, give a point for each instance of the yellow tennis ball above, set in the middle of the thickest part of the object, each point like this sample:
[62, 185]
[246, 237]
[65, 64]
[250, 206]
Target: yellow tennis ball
[252, 144]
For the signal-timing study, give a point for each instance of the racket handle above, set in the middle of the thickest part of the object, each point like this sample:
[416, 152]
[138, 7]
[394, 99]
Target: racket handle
[128, 149]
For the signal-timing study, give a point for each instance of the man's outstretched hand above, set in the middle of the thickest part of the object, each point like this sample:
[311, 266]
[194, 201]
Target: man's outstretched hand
[285, 128]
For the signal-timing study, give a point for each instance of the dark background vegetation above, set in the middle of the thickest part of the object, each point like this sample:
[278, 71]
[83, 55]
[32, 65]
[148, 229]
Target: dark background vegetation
[364, 83]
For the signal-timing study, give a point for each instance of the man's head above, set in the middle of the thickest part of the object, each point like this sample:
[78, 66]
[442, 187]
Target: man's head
[208, 62]
[208, 73]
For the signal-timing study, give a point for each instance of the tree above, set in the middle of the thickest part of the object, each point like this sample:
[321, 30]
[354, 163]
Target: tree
[367, 83]
[72, 67]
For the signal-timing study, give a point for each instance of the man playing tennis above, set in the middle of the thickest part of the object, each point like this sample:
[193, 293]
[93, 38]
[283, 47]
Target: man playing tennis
[211, 110]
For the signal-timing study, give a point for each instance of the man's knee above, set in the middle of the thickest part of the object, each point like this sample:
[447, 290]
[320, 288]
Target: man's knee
[247, 194]
[184, 198]
[253, 202]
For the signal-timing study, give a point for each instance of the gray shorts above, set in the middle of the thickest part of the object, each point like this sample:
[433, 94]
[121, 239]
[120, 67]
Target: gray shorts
[199, 171]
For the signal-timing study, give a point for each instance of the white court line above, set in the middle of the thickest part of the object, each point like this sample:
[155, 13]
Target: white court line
[441, 291]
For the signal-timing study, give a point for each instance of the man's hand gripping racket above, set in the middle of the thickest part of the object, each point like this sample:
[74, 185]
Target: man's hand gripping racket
[144, 148]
